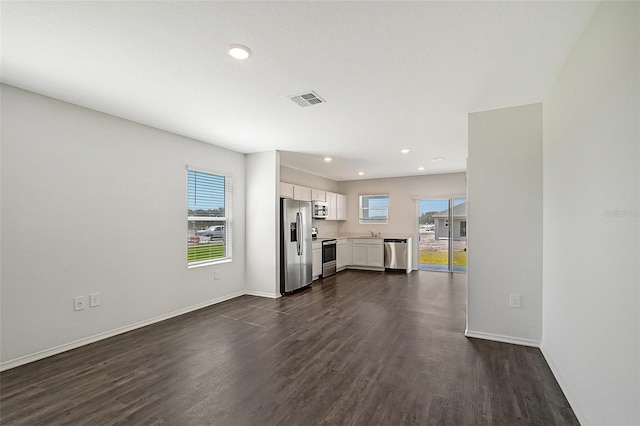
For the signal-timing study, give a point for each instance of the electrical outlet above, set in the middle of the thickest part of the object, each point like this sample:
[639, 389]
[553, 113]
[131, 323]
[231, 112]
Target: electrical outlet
[95, 299]
[80, 302]
[514, 300]
[216, 275]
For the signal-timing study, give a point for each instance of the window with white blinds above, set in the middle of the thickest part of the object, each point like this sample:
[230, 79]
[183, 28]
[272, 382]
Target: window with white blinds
[209, 218]
[374, 208]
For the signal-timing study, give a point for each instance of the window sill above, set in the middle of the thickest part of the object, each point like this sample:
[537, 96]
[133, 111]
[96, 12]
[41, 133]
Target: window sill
[213, 262]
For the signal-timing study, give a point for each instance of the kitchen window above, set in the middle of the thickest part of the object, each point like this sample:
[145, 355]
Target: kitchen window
[209, 218]
[374, 208]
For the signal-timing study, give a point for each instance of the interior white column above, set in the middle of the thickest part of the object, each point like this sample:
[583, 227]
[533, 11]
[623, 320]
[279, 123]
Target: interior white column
[504, 193]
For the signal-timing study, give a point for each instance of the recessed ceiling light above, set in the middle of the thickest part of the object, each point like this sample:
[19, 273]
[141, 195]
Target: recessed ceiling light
[436, 160]
[360, 173]
[421, 168]
[405, 151]
[238, 51]
[327, 159]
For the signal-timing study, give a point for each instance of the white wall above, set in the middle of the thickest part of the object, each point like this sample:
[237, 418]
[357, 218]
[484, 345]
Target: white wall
[403, 211]
[263, 213]
[591, 325]
[505, 224]
[298, 177]
[95, 203]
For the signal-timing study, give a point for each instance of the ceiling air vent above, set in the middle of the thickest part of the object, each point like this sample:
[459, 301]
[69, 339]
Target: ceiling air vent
[307, 99]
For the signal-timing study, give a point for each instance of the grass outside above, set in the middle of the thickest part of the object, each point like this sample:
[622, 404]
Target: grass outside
[199, 252]
[432, 257]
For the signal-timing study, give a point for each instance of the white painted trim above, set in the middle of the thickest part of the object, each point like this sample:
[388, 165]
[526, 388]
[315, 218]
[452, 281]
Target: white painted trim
[262, 294]
[366, 268]
[565, 389]
[101, 336]
[441, 197]
[209, 263]
[501, 338]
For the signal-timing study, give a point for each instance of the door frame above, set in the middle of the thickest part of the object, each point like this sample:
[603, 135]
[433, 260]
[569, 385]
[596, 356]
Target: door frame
[449, 198]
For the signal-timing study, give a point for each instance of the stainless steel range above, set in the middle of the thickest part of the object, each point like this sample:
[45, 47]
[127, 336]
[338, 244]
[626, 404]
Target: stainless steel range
[328, 258]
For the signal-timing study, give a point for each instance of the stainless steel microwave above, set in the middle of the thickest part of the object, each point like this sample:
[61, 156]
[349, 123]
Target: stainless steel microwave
[320, 209]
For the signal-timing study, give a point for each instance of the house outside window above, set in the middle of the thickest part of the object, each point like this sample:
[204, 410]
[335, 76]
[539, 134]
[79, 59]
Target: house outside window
[458, 226]
[374, 209]
[209, 218]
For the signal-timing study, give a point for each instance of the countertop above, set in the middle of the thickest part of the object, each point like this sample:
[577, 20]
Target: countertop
[355, 236]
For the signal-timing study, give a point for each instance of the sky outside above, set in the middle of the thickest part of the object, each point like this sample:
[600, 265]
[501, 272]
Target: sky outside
[438, 205]
[206, 191]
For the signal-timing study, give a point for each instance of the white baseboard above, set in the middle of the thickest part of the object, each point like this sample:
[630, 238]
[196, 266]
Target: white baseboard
[262, 294]
[101, 336]
[366, 268]
[563, 385]
[501, 338]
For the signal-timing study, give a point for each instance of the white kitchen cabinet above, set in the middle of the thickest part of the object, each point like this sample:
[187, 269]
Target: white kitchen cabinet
[318, 195]
[375, 255]
[332, 200]
[360, 254]
[336, 203]
[336, 206]
[344, 253]
[316, 269]
[368, 252]
[301, 193]
[286, 190]
[341, 207]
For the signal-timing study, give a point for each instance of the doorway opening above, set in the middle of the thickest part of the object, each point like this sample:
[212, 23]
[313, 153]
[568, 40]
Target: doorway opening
[442, 232]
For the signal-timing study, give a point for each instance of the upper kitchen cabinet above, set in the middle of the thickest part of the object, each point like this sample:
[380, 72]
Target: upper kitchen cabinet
[341, 207]
[332, 206]
[286, 190]
[336, 203]
[301, 193]
[336, 206]
[318, 195]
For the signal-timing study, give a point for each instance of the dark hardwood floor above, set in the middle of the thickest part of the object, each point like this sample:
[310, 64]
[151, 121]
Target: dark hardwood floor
[362, 348]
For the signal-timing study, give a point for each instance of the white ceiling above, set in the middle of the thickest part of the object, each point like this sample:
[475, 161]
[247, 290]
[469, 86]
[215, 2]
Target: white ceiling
[394, 74]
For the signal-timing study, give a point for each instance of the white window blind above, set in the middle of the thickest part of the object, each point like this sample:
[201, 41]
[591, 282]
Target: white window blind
[209, 223]
[374, 208]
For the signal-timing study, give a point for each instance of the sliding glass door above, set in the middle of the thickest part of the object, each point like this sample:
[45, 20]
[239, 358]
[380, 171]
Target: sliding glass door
[442, 244]
[459, 234]
[433, 244]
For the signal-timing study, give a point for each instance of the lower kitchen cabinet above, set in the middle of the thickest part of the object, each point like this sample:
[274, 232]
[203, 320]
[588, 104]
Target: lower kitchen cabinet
[375, 255]
[316, 269]
[352, 253]
[343, 257]
[360, 254]
[368, 252]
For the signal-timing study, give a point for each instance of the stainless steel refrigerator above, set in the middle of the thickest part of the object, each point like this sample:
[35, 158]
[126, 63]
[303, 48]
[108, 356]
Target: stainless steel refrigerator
[296, 255]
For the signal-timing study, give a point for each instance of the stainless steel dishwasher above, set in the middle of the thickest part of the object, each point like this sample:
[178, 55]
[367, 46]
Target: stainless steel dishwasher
[396, 253]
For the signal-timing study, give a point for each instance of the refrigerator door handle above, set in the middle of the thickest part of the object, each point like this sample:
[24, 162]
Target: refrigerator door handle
[298, 229]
